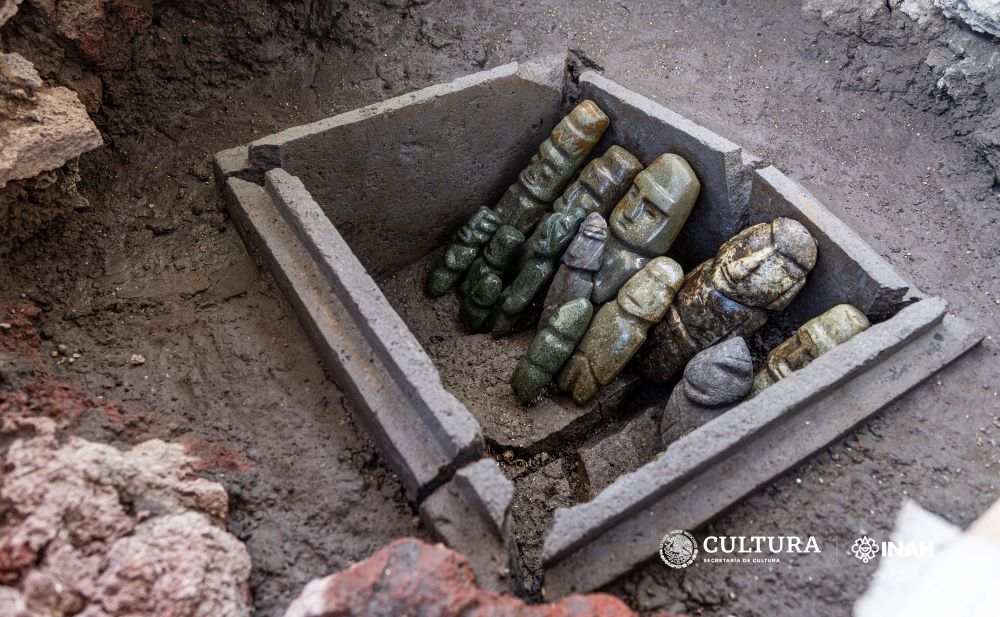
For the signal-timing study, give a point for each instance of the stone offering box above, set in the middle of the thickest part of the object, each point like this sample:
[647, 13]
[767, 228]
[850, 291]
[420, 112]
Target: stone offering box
[349, 213]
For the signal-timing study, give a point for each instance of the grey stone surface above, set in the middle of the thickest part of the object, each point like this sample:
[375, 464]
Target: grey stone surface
[647, 130]
[233, 162]
[433, 156]
[847, 270]
[980, 15]
[424, 432]
[700, 475]
[470, 514]
[714, 380]
[601, 460]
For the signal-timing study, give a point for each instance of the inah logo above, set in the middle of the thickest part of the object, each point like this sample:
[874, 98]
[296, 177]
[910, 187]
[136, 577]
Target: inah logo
[678, 549]
[864, 548]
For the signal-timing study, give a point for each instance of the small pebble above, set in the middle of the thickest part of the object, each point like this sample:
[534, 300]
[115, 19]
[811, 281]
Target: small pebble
[137, 360]
[4, 326]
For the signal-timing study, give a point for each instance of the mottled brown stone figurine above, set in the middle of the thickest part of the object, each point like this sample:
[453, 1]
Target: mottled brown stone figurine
[818, 336]
[550, 349]
[619, 329]
[646, 222]
[462, 252]
[714, 380]
[575, 277]
[483, 284]
[556, 232]
[601, 184]
[756, 273]
[552, 167]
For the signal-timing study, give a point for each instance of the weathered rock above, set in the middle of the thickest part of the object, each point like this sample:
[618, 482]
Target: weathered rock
[541, 182]
[554, 235]
[99, 32]
[619, 329]
[91, 530]
[575, 277]
[551, 348]
[646, 222]
[756, 273]
[410, 577]
[42, 127]
[483, 284]
[714, 380]
[601, 461]
[816, 337]
[980, 15]
[462, 252]
[7, 10]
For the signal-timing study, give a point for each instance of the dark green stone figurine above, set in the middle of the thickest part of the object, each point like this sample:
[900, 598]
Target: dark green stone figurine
[462, 252]
[555, 234]
[483, 284]
[551, 348]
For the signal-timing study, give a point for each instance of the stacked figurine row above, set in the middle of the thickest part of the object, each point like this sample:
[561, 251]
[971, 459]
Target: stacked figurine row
[601, 243]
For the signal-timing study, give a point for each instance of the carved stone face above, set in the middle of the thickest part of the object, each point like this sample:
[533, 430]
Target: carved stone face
[479, 228]
[504, 245]
[653, 211]
[765, 265]
[818, 336]
[555, 232]
[649, 292]
[486, 292]
[586, 249]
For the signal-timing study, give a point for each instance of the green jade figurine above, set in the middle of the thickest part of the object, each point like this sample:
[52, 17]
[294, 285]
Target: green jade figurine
[550, 349]
[462, 252]
[816, 337]
[555, 234]
[483, 284]
[619, 329]
[552, 167]
[646, 222]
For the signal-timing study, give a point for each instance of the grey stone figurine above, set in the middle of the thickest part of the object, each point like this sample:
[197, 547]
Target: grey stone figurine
[550, 349]
[575, 277]
[462, 251]
[483, 284]
[552, 167]
[646, 222]
[756, 273]
[714, 380]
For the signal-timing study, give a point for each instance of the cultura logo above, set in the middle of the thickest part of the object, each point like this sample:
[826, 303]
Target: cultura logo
[864, 548]
[678, 549]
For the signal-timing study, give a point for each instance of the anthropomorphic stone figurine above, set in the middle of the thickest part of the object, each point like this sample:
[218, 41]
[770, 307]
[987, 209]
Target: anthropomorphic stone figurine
[619, 329]
[462, 251]
[756, 273]
[575, 277]
[646, 222]
[555, 234]
[550, 349]
[601, 184]
[714, 380]
[816, 337]
[552, 167]
[483, 284]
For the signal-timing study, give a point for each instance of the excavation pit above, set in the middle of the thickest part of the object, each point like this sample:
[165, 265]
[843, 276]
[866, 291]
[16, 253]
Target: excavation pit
[349, 213]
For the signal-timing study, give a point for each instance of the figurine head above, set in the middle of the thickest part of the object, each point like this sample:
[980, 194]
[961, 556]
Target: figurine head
[765, 265]
[719, 375]
[602, 183]
[821, 334]
[556, 231]
[487, 291]
[503, 247]
[651, 290]
[571, 319]
[655, 208]
[478, 230]
[587, 248]
[557, 157]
